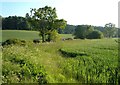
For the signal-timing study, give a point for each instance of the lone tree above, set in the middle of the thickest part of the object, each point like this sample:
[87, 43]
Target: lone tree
[109, 30]
[45, 21]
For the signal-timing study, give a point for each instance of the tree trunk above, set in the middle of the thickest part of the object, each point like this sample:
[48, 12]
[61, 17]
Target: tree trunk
[49, 37]
[43, 37]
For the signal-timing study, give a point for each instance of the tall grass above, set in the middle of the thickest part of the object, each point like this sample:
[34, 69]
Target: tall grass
[98, 66]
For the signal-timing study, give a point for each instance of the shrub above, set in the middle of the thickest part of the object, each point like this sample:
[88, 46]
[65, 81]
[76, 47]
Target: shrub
[54, 36]
[14, 41]
[95, 35]
[36, 41]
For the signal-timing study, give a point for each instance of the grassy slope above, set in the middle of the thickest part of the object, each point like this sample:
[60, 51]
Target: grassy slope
[22, 34]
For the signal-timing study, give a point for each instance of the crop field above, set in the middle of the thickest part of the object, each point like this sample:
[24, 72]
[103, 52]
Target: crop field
[70, 61]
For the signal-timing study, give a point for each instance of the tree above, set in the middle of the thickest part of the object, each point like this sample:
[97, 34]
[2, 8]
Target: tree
[82, 31]
[95, 35]
[109, 30]
[52, 33]
[89, 30]
[69, 29]
[0, 22]
[45, 21]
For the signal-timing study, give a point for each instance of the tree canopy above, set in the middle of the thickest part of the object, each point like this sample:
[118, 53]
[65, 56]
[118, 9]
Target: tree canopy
[96, 34]
[45, 21]
[109, 30]
[82, 31]
[15, 23]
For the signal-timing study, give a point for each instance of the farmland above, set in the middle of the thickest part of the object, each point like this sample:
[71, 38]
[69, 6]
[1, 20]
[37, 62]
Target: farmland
[70, 61]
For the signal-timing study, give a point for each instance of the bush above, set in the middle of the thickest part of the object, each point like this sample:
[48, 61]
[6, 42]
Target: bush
[95, 35]
[36, 41]
[54, 36]
[14, 41]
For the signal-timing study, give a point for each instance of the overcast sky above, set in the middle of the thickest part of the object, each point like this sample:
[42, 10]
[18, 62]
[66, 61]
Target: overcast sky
[76, 12]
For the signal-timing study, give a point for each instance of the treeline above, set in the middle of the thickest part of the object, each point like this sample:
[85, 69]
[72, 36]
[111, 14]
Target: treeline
[15, 23]
[82, 31]
[21, 23]
[70, 29]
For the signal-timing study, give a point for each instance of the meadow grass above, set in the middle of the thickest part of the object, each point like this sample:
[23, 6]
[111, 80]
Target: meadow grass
[23, 34]
[20, 34]
[98, 66]
[94, 61]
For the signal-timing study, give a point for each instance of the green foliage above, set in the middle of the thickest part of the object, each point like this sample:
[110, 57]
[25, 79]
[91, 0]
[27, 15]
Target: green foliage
[95, 35]
[82, 31]
[15, 23]
[25, 64]
[86, 69]
[54, 36]
[19, 68]
[45, 21]
[69, 29]
[14, 41]
[109, 30]
[68, 53]
[98, 66]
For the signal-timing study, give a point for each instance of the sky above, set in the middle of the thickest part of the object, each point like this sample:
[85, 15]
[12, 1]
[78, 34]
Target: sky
[75, 12]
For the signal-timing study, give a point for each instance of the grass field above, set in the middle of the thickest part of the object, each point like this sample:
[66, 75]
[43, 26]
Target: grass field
[26, 35]
[70, 61]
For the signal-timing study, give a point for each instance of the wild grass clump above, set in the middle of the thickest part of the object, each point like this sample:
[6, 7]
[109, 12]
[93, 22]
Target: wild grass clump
[19, 68]
[13, 42]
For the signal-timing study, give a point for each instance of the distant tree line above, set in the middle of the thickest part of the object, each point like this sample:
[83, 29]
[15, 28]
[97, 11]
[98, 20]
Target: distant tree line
[21, 23]
[93, 32]
[87, 31]
[69, 29]
[15, 23]
[45, 21]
